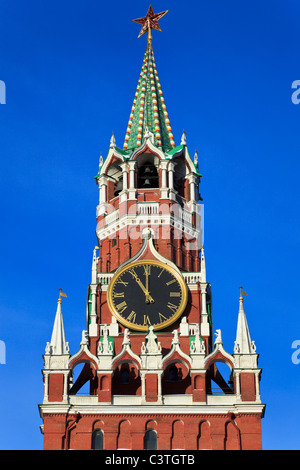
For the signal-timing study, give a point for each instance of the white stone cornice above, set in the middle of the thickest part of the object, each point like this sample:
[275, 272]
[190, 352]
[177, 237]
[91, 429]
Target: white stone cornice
[217, 405]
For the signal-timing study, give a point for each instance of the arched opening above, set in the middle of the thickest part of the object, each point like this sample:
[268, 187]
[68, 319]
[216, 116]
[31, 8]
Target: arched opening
[115, 183]
[180, 173]
[126, 380]
[147, 175]
[98, 439]
[219, 379]
[150, 440]
[83, 379]
[176, 379]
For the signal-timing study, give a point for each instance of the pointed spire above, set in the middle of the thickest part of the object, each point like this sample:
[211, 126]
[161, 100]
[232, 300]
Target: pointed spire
[94, 265]
[112, 141]
[149, 110]
[58, 344]
[196, 159]
[243, 343]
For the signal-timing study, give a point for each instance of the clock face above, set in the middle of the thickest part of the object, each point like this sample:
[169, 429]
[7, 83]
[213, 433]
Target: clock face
[147, 293]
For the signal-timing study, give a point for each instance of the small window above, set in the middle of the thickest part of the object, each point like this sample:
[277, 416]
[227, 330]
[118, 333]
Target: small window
[114, 242]
[150, 440]
[98, 440]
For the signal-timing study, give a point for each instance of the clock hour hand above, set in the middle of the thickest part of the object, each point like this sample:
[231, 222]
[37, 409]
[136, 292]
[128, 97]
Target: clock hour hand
[149, 299]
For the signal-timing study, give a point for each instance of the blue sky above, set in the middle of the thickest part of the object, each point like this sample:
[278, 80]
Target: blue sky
[226, 70]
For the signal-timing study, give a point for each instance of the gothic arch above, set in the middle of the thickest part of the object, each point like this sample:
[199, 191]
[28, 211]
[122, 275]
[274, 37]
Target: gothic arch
[177, 438]
[124, 440]
[97, 424]
[131, 386]
[176, 377]
[204, 437]
[219, 357]
[151, 424]
[232, 439]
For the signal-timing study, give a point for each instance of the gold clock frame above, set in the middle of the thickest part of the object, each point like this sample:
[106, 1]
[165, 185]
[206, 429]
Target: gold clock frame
[159, 326]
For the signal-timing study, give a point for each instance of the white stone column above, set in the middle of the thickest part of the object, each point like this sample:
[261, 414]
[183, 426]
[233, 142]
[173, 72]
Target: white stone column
[204, 316]
[172, 192]
[143, 382]
[237, 387]
[171, 176]
[124, 167]
[164, 189]
[102, 189]
[46, 387]
[123, 194]
[192, 180]
[159, 387]
[65, 393]
[257, 393]
[132, 190]
[93, 326]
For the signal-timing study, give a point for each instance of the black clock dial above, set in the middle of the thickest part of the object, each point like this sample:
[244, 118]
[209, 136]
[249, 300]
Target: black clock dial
[147, 293]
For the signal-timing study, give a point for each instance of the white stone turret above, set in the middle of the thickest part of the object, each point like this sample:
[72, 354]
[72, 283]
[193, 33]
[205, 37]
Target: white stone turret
[243, 344]
[245, 360]
[58, 344]
[56, 359]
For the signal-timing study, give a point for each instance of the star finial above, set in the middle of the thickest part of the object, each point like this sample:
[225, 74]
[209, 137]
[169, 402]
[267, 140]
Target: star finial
[150, 21]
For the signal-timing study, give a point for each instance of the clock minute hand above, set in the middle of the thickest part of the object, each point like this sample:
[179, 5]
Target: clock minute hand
[149, 299]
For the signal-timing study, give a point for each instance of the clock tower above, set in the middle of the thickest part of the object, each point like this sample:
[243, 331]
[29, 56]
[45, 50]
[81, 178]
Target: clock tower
[148, 350]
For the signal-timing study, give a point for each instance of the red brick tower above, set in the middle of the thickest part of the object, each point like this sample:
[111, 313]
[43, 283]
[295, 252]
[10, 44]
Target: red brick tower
[148, 352]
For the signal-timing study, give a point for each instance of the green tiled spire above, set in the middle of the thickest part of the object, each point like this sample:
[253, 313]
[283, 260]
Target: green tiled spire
[149, 109]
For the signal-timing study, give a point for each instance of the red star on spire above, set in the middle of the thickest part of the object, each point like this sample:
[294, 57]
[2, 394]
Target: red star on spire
[150, 21]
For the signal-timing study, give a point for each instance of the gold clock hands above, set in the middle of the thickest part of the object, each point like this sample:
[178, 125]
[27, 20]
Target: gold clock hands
[139, 282]
[149, 299]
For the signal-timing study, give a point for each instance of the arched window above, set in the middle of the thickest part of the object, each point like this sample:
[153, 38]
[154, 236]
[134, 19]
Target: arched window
[147, 171]
[150, 440]
[98, 439]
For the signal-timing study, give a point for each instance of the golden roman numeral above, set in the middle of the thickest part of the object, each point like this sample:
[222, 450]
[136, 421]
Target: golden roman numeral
[161, 317]
[174, 294]
[172, 307]
[146, 320]
[132, 272]
[125, 283]
[118, 294]
[121, 307]
[170, 282]
[147, 269]
[161, 272]
[131, 317]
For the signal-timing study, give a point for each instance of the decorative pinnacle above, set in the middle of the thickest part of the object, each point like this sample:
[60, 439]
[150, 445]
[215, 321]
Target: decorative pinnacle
[150, 21]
